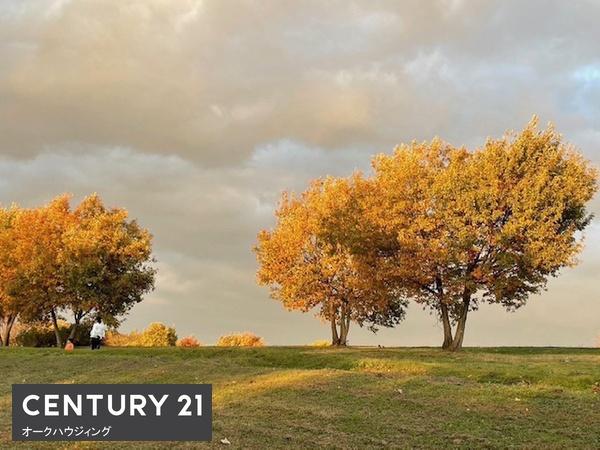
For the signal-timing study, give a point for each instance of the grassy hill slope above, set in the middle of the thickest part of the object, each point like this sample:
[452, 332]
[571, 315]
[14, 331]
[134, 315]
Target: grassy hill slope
[300, 397]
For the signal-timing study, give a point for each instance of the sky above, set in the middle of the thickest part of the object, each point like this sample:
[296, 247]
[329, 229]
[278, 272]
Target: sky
[195, 115]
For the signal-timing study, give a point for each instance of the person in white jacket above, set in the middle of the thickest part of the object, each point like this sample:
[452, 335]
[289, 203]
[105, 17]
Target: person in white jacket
[97, 334]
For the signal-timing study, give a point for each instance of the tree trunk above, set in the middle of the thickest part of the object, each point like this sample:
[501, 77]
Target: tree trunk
[447, 327]
[78, 315]
[439, 289]
[6, 326]
[59, 342]
[340, 338]
[460, 327]
[335, 340]
[5, 335]
[345, 327]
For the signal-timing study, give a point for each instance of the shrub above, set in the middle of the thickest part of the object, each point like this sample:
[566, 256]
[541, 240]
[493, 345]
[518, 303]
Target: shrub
[42, 334]
[188, 342]
[155, 335]
[321, 343]
[158, 335]
[116, 339]
[240, 340]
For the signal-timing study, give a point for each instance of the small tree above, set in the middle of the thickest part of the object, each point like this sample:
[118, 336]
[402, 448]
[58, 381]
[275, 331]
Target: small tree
[10, 306]
[320, 255]
[489, 226]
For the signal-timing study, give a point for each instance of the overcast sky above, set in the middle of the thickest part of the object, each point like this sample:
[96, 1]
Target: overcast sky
[195, 115]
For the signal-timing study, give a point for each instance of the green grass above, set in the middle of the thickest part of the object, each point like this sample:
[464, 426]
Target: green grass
[301, 397]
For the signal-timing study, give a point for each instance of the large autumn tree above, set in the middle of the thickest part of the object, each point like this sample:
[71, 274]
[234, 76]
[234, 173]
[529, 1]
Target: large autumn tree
[491, 225]
[39, 284]
[106, 262]
[58, 261]
[321, 256]
[31, 246]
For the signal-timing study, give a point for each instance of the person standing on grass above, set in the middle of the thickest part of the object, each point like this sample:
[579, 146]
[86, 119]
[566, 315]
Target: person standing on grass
[97, 334]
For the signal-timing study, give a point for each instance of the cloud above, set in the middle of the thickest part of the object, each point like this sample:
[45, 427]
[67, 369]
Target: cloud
[202, 81]
[195, 115]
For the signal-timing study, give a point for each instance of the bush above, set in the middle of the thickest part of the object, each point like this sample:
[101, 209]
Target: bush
[155, 335]
[42, 334]
[240, 340]
[321, 343]
[158, 335]
[188, 342]
[116, 339]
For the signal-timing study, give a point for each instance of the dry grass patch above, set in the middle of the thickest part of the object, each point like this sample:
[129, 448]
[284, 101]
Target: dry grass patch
[374, 365]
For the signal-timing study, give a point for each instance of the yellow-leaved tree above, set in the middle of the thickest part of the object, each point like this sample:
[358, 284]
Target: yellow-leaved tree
[485, 226]
[35, 284]
[322, 255]
[106, 262]
[55, 261]
[9, 304]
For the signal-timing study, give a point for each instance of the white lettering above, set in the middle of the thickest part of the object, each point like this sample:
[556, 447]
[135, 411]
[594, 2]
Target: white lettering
[49, 403]
[134, 405]
[94, 398]
[75, 407]
[26, 400]
[112, 410]
[158, 404]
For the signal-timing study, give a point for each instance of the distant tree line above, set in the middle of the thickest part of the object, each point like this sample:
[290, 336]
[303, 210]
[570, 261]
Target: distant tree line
[57, 261]
[447, 228]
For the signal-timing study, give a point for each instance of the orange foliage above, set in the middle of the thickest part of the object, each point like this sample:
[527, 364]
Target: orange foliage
[491, 225]
[54, 259]
[116, 339]
[188, 342]
[446, 227]
[322, 255]
[240, 340]
[155, 335]
[158, 335]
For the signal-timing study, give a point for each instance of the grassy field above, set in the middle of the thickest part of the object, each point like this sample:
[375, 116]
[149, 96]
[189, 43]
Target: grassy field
[301, 397]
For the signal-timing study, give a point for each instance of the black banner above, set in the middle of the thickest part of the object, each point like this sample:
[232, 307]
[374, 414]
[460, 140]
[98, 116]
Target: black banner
[112, 412]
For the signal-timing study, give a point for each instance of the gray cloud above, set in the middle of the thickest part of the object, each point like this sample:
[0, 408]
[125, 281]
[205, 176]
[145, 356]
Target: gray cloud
[211, 80]
[195, 115]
